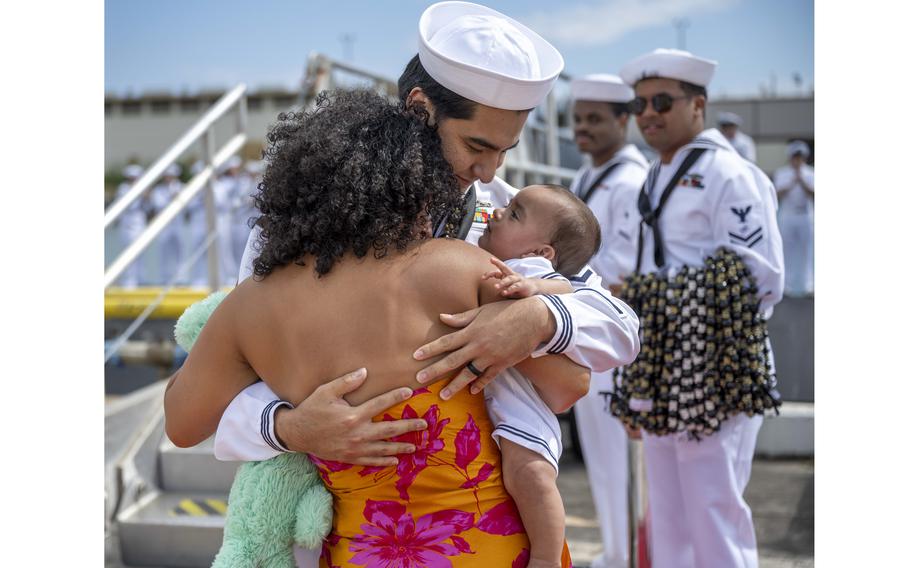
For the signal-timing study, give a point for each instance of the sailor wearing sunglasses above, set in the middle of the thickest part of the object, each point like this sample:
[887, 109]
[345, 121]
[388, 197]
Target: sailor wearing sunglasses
[610, 186]
[695, 486]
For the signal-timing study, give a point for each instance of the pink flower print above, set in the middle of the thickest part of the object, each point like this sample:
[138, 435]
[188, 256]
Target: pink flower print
[427, 443]
[392, 539]
[328, 466]
[485, 470]
[370, 470]
[467, 444]
[502, 520]
[521, 561]
[331, 540]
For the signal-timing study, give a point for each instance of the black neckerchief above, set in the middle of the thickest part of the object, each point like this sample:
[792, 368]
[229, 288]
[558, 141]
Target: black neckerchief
[650, 216]
[585, 195]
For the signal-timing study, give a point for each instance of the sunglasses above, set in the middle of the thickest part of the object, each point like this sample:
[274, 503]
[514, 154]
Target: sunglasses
[662, 102]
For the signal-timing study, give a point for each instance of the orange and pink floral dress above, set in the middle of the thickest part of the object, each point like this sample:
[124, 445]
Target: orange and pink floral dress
[443, 506]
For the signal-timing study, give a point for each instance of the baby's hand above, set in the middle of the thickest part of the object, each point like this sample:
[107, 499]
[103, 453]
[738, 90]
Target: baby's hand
[511, 284]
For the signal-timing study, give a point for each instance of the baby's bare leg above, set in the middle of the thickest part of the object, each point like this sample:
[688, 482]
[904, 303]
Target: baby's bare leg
[531, 481]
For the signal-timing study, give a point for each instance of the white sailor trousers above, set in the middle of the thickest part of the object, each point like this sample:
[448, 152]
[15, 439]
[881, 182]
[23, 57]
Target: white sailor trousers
[797, 234]
[604, 444]
[698, 516]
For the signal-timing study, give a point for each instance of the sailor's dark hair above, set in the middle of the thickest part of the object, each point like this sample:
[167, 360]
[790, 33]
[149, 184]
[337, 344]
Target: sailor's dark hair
[576, 236]
[688, 88]
[693, 90]
[447, 103]
[356, 174]
[619, 109]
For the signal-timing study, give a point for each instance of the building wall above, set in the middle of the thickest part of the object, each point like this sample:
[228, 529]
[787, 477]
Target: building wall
[772, 123]
[142, 129]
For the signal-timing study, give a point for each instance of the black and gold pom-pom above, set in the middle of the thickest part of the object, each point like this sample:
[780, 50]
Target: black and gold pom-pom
[704, 350]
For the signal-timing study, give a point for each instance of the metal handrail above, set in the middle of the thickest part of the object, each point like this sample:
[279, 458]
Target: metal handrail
[154, 172]
[204, 128]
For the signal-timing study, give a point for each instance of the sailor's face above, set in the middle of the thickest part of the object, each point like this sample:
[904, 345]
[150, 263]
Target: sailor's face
[476, 147]
[672, 129]
[597, 129]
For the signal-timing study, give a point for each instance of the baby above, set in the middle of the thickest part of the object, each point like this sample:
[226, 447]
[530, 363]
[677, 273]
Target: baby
[548, 234]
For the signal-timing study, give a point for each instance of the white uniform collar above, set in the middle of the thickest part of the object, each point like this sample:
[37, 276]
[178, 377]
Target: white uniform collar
[709, 139]
[628, 153]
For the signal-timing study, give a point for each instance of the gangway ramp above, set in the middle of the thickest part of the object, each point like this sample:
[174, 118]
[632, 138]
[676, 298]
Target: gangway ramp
[180, 521]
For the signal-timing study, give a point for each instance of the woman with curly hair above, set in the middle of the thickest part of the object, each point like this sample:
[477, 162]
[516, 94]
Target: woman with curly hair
[347, 201]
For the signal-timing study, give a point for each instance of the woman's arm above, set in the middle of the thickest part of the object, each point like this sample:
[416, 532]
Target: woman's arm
[211, 377]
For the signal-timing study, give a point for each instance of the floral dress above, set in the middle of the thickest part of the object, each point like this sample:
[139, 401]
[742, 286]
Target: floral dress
[443, 506]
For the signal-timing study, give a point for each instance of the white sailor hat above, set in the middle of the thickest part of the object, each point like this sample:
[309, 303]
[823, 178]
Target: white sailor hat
[486, 56]
[233, 162]
[173, 170]
[797, 147]
[132, 171]
[255, 167]
[669, 64]
[724, 117]
[601, 87]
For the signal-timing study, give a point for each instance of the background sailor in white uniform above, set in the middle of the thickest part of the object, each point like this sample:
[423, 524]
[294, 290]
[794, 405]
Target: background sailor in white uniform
[609, 185]
[171, 248]
[228, 186]
[795, 185]
[131, 224]
[244, 206]
[477, 73]
[695, 488]
[223, 187]
[730, 125]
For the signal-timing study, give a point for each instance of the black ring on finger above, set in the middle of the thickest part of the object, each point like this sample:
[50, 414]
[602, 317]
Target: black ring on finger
[470, 366]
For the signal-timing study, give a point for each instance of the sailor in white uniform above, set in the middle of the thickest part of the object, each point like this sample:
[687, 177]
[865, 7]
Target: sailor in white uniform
[196, 230]
[131, 224]
[484, 69]
[795, 185]
[223, 187]
[730, 125]
[228, 186]
[171, 237]
[695, 487]
[244, 206]
[609, 185]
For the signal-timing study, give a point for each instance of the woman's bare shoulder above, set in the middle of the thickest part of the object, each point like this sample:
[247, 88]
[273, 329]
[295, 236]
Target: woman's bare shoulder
[451, 263]
[455, 256]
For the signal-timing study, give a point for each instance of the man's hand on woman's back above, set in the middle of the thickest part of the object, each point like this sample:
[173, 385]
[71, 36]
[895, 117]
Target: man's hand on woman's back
[325, 425]
[493, 337]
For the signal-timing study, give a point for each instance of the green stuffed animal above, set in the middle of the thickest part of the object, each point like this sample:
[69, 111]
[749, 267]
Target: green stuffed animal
[274, 503]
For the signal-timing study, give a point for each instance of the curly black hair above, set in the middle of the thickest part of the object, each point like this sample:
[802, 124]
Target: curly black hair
[356, 173]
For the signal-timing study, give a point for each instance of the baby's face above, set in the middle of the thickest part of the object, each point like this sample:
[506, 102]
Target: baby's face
[524, 227]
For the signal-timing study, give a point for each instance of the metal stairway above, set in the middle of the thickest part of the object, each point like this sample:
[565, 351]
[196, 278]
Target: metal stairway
[180, 521]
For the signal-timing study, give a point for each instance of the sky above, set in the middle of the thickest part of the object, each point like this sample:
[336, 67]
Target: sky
[192, 45]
